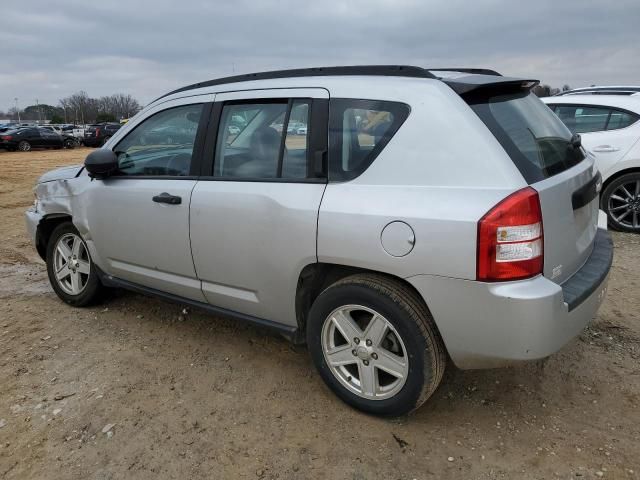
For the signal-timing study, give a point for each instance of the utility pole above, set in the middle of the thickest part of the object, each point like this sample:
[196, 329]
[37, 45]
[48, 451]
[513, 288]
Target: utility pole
[38, 109]
[17, 109]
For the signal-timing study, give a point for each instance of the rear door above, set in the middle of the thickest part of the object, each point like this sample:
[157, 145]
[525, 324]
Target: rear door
[50, 138]
[607, 132]
[34, 138]
[254, 211]
[553, 163]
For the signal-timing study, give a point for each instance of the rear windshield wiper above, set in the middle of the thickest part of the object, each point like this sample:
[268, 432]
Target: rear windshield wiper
[576, 141]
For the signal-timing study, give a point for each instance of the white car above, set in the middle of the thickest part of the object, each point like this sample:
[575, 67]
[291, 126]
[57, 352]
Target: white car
[610, 130]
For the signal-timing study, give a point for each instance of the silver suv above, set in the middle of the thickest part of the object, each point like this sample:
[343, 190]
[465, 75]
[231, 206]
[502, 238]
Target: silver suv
[391, 217]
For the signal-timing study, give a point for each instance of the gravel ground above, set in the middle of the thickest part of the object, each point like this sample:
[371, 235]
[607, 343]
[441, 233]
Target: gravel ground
[140, 388]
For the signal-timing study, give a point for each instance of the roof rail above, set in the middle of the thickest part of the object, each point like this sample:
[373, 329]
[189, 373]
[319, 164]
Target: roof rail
[474, 71]
[377, 70]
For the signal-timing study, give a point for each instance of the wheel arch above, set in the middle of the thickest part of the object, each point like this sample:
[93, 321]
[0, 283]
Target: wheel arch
[614, 177]
[45, 228]
[316, 277]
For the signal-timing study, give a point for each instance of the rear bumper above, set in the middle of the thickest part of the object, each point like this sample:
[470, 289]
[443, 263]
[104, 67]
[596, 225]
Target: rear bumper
[487, 325]
[92, 141]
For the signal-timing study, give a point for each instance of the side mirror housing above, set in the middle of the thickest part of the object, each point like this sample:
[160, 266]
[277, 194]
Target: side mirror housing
[101, 163]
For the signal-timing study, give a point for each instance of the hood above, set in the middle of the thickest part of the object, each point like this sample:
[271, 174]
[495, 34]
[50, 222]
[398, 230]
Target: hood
[63, 173]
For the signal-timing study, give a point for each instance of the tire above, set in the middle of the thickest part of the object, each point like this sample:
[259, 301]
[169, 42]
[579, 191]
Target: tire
[106, 139]
[91, 289]
[407, 330]
[24, 146]
[69, 144]
[621, 202]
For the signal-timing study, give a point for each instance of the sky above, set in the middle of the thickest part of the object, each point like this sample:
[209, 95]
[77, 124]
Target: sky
[146, 48]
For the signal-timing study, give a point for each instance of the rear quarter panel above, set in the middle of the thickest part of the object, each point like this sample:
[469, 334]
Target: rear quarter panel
[440, 173]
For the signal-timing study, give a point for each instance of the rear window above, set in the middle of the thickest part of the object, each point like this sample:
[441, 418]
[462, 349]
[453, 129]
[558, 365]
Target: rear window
[536, 140]
[358, 131]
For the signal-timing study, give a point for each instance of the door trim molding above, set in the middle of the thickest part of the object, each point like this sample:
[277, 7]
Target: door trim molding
[292, 334]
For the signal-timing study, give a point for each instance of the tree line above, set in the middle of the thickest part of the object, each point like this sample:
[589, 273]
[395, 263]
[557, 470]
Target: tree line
[79, 108]
[544, 90]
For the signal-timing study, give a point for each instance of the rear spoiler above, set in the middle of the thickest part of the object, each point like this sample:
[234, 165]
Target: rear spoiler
[474, 83]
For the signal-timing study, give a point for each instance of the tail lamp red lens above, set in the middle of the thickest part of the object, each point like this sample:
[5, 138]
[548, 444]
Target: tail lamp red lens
[511, 239]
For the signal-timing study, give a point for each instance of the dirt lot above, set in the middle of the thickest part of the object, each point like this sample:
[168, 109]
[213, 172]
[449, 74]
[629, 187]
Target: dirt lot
[135, 388]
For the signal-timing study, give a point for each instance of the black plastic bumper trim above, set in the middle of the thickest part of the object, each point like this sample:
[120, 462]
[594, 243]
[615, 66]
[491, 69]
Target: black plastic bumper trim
[587, 280]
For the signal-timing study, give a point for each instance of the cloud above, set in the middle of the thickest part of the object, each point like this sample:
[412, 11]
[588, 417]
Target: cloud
[147, 47]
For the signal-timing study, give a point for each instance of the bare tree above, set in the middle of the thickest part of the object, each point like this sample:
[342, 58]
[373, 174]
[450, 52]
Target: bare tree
[80, 108]
[119, 105]
[542, 90]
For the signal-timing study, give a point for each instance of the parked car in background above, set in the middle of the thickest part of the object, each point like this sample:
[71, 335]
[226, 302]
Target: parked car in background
[98, 134]
[609, 127]
[369, 243]
[68, 140]
[75, 130]
[602, 90]
[25, 139]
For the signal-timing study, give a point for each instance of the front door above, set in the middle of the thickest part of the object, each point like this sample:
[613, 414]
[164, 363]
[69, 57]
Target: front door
[138, 219]
[254, 215]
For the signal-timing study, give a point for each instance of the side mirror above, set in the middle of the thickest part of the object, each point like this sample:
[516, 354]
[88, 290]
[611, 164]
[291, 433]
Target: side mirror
[101, 163]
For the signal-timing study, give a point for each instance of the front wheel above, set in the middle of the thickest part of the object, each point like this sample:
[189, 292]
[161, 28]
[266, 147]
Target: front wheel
[621, 202]
[375, 344]
[69, 144]
[24, 146]
[71, 271]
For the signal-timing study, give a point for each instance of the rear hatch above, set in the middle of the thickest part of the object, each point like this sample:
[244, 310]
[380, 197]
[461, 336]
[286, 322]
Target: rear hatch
[553, 162]
[91, 131]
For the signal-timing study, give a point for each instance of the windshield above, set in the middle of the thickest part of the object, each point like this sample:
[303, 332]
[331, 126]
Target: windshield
[537, 141]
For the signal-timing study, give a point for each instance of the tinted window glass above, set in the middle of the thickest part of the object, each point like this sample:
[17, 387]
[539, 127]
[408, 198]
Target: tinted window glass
[536, 140]
[583, 119]
[162, 144]
[263, 140]
[620, 119]
[358, 131]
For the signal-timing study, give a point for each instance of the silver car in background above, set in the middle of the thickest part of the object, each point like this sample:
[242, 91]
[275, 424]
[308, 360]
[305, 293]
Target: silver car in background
[411, 217]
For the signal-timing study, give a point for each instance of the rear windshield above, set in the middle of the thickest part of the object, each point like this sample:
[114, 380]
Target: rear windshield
[534, 137]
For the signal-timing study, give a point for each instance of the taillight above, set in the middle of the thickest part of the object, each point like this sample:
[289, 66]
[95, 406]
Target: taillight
[6, 137]
[97, 132]
[510, 239]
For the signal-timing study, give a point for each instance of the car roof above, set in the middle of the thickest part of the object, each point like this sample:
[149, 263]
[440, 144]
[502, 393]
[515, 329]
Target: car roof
[597, 89]
[461, 80]
[617, 101]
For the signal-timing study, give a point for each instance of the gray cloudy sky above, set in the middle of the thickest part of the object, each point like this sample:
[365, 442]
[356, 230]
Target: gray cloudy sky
[147, 47]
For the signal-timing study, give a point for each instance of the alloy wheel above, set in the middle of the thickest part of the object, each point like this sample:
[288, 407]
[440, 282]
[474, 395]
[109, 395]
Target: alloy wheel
[71, 263]
[365, 352]
[24, 146]
[624, 204]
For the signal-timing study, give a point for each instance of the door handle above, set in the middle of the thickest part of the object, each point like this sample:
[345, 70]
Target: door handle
[605, 149]
[165, 197]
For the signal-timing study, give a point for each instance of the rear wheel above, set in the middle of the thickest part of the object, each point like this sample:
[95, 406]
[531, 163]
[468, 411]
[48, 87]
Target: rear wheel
[69, 143]
[375, 344]
[24, 146]
[621, 202]
[70, 269]
[106, 139]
